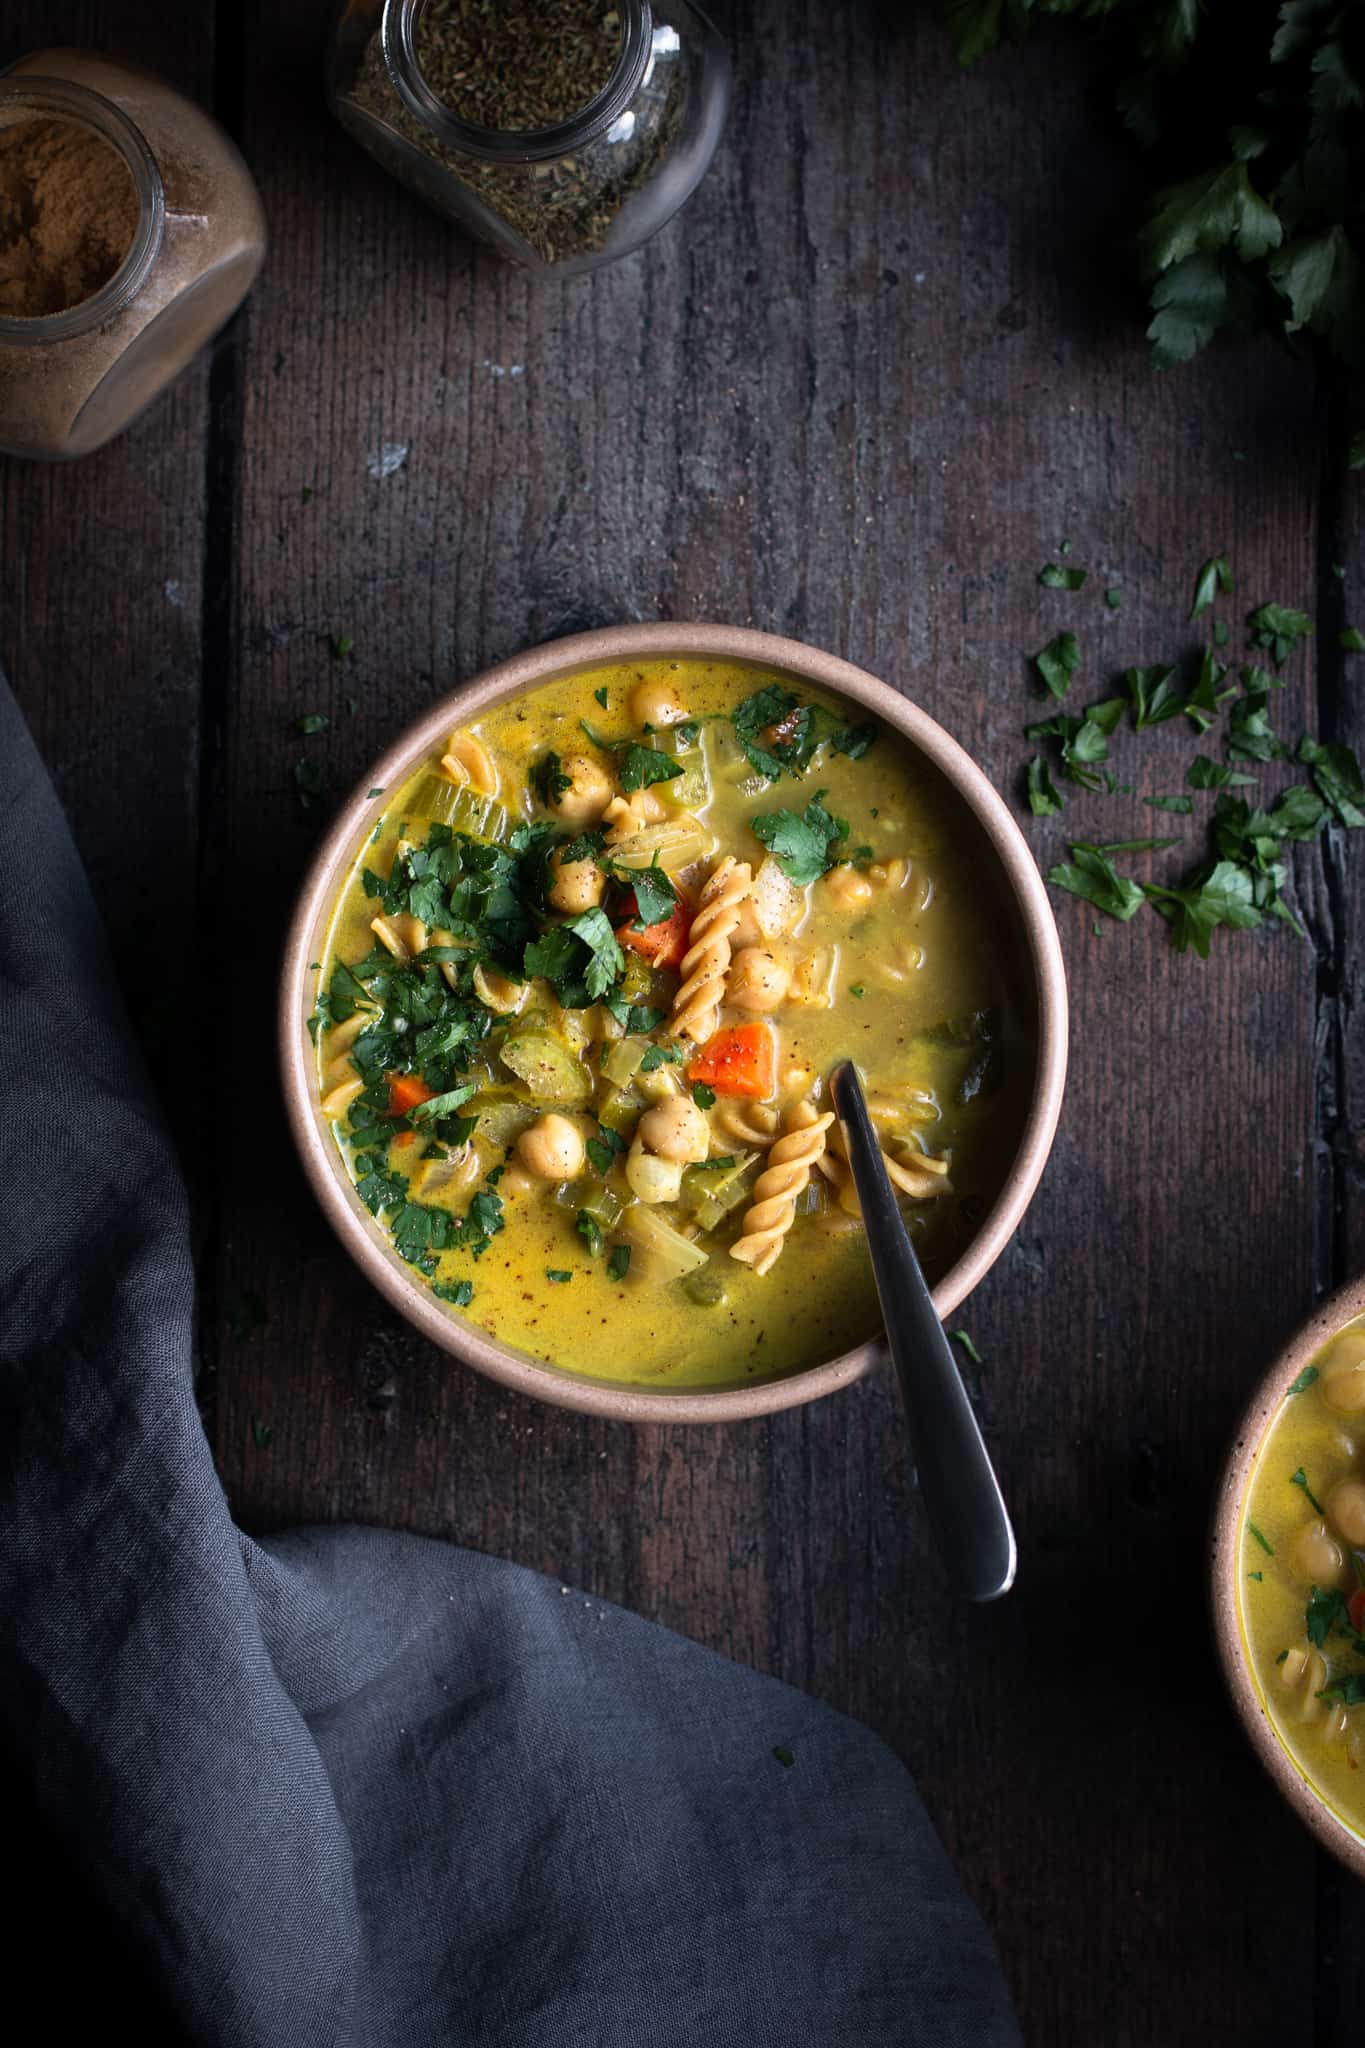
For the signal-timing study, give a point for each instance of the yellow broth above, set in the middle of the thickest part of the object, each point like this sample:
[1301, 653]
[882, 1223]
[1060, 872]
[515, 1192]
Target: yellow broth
[1302, 1560]
[920, 985]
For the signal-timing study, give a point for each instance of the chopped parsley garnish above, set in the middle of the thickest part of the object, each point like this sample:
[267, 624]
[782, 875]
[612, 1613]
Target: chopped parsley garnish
[704, 1097]
[655, 897]
[961, 1337]
[1277, 629]
[1351, 640]
[580, 958]
[853, 741]
[601, 696]
[1258, 1576]
[1202, 704]
[1255, 1533]
[1084, 740]
[1347, 1692]
[855, 988]
[1300, 1479]
[641, 766]
[590, 1230]
[311, 722]
[660, 1056]
[1181, 805]
[1058, 662]
[1204, 773]
[460, 1292]
[618, 1262]
[784, 1755]
[1304, 1380]
[1091, 875]
[802, 846]
[1337, 779]
[1215, 576]
[557, 1275]
[1053, 578]
[1044, 798]
[1113, 598]
[548, 779]
[1153, 696]
[605, 1148]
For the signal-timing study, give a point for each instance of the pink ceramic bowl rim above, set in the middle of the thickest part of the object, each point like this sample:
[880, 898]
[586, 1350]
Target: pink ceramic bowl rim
[357, 1230]
[1225, 1549]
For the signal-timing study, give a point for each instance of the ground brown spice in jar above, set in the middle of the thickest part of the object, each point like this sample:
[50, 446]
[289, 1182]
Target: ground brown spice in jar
[68, 214]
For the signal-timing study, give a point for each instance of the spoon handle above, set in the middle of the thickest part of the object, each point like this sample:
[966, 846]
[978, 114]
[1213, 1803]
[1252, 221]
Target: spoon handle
[957, 1481]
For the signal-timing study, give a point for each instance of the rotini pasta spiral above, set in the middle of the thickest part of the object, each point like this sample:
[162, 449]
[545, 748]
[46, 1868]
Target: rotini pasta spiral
[773, 1209]
[915, 1173]
[468, 761]
[696, 1007]
[627, 815]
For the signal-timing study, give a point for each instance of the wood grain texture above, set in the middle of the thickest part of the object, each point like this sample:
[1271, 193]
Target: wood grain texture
[860, 391]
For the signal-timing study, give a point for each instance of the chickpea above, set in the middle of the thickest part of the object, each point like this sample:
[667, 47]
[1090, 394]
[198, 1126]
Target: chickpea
[654, 701]
[552, 1148]
[676, 1130]
[1316, 1556]
[850, 890]
[1343, 1373]
[1346, 1506]
[589, 791]
[758, 980]
[575, 884]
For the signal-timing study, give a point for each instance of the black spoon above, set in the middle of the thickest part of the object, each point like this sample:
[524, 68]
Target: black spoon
[961, 1492]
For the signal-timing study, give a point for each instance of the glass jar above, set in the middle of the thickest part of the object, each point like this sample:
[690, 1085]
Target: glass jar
[73, 378]
[559, 199]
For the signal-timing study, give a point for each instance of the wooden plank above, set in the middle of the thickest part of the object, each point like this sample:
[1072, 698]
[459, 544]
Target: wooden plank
[101, 600]
[859, 392]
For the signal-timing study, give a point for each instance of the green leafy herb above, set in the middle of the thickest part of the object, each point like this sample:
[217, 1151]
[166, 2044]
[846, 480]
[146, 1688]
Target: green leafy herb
[1203, 773]
[460, 1292]
[641, 766]
[655, 897]
[1084, 741]
[548, 779]
[801, 846]
[704, 1097]
[1225, 895]
[601, 696]
[1202, 704]
[1092, 875]
[961, 1337]
[1058, 662]
[855, 988]
[1215, 576]
[618, 1262]
[605, 1148]
[590, 1230]
[557, 1275]
[1181, 805]
[1304, 1380]
[312, 721]
[440, 1106]
[1325, 1612]
[853, 740]
[1153, 696]
[581, 958]
[342, 645]
[1113, 598]
[1351, 640]
[1337, 779]
[1253, 1531]
[1347, 1692]
[1250, 733]
[1044, 798]
[1277, 628]
[1300, 1480]
[784, 1755]
[1054, 578]
[660, 1056]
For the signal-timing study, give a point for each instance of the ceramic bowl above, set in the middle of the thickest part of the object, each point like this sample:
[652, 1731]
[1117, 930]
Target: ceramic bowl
[1226, 1583]
[1022, 890]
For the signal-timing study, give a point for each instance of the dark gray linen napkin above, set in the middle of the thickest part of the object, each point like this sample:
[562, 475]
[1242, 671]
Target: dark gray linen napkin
[350, 1787]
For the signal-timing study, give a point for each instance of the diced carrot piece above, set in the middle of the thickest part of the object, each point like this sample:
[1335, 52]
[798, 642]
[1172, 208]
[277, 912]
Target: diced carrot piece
[406, 1091]
[663, 944]
[741, 1059]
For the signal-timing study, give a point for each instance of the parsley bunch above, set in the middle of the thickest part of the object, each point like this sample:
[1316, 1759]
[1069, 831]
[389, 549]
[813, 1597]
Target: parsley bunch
[1250, 112]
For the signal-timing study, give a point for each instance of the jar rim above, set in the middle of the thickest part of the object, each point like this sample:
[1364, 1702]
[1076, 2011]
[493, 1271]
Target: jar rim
[34, 95]
[515, 145]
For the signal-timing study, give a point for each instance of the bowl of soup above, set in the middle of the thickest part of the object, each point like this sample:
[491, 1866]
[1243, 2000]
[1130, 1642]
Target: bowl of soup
[566, 983]
[1288, 1583]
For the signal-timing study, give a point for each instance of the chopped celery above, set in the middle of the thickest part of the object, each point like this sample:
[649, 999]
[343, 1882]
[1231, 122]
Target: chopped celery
[710, 1193]
[622, 1063]
[501, 1117]
[602, 1205]
[706, 1289]
[547, 1067]
[674, 1254]
[690, 790]
[620, 1109]
[637, 981]
[461, 807]
[673, 844]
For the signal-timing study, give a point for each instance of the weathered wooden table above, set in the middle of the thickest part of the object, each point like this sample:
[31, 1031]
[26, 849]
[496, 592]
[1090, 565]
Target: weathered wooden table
[858, 393]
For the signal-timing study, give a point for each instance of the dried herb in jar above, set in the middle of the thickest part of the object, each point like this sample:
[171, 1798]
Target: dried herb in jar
[516, 68]
[514, 65]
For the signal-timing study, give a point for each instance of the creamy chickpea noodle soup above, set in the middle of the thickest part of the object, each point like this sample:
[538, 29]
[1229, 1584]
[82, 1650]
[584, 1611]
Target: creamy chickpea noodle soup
[582, 992]
[1303, 1573]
